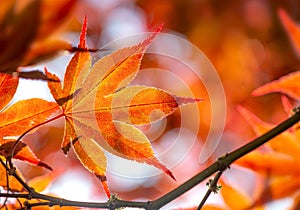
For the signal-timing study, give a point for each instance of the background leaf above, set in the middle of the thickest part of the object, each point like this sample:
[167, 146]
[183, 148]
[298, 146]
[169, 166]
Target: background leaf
[287, 142]
[8, 87]
[288, 84]
[21, 152]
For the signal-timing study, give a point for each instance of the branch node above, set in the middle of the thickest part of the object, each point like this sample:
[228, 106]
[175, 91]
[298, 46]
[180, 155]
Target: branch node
[29, 197]
[222, 164]
[296, 109]
[148, 205]
[12, 171]
[61, 202]
[112, 201]
[213, 186]
[26, 205]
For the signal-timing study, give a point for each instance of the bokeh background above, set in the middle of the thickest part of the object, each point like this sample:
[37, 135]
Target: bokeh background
[245, 42]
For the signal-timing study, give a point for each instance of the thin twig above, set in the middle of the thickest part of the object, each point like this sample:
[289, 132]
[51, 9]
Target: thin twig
[212, 187]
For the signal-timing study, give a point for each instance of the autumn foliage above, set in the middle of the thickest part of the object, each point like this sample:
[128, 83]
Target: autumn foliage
[103, 110]
[94, 101]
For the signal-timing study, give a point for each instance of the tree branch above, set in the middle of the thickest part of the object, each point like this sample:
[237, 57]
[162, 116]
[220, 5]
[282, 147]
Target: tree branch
[224, 162]
[220, 165]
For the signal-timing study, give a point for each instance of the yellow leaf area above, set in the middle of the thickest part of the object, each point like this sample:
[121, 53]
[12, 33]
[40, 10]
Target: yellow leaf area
[100, 110]
[39, 184]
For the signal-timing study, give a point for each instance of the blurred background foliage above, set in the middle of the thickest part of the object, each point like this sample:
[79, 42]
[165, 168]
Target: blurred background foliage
[244, 40]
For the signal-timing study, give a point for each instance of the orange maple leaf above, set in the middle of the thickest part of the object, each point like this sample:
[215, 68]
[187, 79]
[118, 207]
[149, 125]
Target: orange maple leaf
[279, 160]
[99, 109]
[286, 143]
[21, 152]
[15, 122]
[288, 84]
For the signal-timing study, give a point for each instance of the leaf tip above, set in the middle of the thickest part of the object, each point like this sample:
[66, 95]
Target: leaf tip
[66, 149]
[162, 167]
[159, 28]
[284, 18]
[248, 115]
[256, 92]
[169, 173]
[186, 100]
[265, 89]
[147, 41]
[82, 42]
[44, 165]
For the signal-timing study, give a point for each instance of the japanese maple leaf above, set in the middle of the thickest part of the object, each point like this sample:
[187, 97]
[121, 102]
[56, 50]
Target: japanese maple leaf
[279, 161]
[288, 84]
[100, 110]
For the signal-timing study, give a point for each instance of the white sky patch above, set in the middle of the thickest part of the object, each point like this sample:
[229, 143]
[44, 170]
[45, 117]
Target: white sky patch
[122, 22]
[74, 185]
